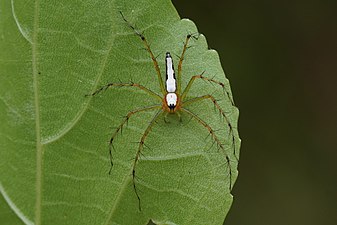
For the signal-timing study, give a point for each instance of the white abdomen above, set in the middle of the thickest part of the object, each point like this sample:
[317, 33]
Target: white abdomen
[170, 76]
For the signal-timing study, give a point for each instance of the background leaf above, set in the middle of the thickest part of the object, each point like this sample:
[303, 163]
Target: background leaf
[54, 150]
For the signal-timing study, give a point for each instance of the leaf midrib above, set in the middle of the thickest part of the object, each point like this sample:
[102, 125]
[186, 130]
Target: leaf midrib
[39, 141]
[38, 185]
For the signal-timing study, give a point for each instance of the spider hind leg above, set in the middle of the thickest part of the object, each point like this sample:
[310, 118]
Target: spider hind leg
[182, 57]
[147, 47]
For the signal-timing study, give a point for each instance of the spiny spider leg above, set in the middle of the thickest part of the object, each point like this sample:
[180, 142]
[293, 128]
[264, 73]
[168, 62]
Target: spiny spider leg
[189, 85]
[139, 152]
[221, 112]
[131, 84]
[215, 138]
[147, 46]
[188, 37]
[120, 127]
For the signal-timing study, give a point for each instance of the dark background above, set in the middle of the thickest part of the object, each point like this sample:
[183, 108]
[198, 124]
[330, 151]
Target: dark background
[280, 57]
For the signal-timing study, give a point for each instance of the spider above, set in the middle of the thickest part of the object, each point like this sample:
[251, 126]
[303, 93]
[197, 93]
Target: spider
[171, 101]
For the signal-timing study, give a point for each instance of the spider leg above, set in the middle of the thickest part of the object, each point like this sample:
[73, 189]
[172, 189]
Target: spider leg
[147, 47]
[188, 37]
[221, 113]
[131, 84]
[189, 85]
[179, 116]
[139, 152]
[120, 127]
[165, 117]
[216, 139]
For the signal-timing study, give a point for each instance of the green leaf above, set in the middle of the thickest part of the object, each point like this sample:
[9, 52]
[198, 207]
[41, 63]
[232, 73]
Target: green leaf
[54, 142]
[7, 215]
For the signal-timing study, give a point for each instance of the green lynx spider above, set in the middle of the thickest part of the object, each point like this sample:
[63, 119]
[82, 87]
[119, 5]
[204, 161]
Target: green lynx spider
[171, 101]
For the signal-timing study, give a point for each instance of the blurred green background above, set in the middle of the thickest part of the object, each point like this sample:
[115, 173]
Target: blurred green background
[280, 57]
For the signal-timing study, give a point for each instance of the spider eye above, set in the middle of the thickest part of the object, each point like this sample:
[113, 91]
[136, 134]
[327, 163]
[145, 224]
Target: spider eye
[171, 106]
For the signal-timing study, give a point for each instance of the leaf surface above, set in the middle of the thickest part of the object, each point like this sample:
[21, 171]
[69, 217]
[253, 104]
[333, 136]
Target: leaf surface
[54, 159]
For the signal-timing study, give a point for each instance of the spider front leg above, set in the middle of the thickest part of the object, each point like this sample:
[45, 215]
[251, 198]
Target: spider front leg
[222, 114]
[139, 152]
[216, 139]
[120, 127]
